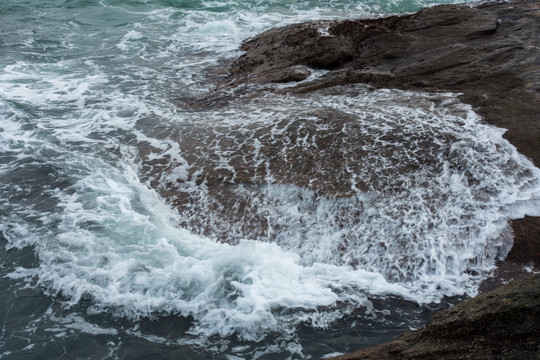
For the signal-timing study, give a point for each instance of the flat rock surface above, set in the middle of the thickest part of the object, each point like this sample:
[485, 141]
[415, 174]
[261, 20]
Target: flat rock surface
[488, 52]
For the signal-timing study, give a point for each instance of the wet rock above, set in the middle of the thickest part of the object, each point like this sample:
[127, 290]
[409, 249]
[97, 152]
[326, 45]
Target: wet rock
[292, 74]
[488, 52]
[501, 324]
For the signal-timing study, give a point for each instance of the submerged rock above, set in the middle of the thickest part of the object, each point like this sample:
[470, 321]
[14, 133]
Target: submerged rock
[489, 53]
[501, 324]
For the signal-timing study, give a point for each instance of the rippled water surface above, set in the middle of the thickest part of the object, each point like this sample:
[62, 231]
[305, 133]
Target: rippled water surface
[270, 227]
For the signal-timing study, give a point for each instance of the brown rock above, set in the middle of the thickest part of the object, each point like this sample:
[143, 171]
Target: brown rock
[501, 324]
[489, 52]
[294, 73]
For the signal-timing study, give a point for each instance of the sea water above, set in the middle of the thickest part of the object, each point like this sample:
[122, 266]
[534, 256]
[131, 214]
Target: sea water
[269, 227]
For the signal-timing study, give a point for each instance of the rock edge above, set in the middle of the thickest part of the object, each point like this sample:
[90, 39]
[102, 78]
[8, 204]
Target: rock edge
[487, 52]
[501, 324]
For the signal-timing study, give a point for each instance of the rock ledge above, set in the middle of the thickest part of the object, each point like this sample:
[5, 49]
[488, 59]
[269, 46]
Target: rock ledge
[487, 52]
[501, 324]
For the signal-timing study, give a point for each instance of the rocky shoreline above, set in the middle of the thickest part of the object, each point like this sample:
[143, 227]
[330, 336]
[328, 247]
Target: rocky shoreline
[501, 324]
[489, 53]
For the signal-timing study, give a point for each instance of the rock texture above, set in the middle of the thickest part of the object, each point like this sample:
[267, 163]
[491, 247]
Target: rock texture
[488, 52]
[501, 324]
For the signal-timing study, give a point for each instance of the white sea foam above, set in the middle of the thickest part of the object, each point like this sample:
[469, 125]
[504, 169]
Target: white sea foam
[75, 322]
[115, 245]
[117, 241]
[129, 39]
[80, 137]
[429, 212]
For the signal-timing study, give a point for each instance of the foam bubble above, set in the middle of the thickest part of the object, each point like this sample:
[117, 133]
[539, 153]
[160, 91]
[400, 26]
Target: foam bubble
[115, 245]
[75, 322]
[415, 235]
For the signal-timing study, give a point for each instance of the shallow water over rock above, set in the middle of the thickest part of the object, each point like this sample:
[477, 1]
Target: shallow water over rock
[146, 213]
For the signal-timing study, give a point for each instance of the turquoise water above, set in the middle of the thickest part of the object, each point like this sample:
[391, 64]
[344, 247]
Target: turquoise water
[113, 247]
